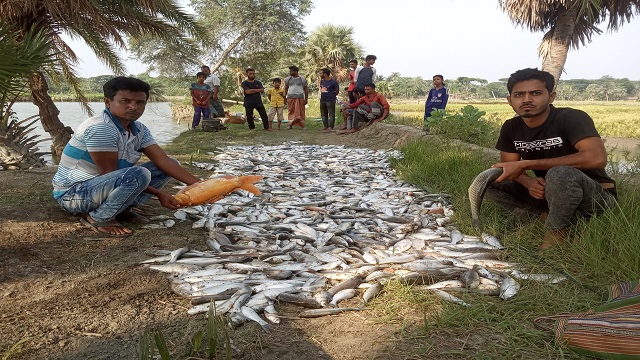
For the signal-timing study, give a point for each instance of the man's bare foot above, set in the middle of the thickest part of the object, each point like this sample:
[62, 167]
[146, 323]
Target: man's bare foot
[111, 227]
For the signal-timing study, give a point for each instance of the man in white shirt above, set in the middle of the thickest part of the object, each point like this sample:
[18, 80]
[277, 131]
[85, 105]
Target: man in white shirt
[215, 105]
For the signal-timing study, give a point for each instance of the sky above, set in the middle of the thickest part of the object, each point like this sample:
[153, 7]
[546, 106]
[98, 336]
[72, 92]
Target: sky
[472, 38]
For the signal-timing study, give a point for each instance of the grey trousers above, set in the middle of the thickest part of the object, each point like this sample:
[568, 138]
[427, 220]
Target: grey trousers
[568, 193]
[364, 113]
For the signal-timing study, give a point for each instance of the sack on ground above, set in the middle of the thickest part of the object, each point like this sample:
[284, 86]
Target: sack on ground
[611, 331]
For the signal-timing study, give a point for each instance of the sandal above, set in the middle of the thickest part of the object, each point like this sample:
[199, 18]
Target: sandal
[132, 217]
[99, 224]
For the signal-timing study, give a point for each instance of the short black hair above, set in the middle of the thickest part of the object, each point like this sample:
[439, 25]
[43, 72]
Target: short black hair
[200, 73]
[249, 69]
[370, 57]
[371, 85]
[204, 67]
[353, 61]
[531, 74]
[277, 80]
[325, 71]
[358, 91]
[294, 68]
[111, 87]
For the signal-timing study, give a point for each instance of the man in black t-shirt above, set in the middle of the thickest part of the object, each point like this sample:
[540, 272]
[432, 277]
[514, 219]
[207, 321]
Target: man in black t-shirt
[563, 149]
[252, 99]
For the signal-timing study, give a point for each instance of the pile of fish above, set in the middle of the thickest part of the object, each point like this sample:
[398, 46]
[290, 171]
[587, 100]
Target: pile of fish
[332, 223]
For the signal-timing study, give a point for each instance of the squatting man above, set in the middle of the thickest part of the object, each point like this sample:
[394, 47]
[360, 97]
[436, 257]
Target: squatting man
[563, 149]
[98, 175]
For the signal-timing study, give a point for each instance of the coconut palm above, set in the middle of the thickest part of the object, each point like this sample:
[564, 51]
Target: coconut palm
[330, 46]
[103, 25]
[18, 61]
[568, 23]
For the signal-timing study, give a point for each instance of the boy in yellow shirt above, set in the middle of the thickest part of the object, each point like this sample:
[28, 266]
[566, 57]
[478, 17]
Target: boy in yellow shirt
[276, 98]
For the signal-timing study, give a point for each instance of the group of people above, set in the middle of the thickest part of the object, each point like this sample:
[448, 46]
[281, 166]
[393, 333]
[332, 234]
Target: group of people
[98, 176]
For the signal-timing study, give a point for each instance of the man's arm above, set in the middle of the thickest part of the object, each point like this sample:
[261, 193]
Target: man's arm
[591, 155]
[286, 87]
[356, 73]
[216, 91]
[534, 185]
[160, 159]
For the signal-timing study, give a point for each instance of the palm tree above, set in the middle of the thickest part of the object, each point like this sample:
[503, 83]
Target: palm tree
[18, 60]
[330, 46]
[568, 23]
[103, 25]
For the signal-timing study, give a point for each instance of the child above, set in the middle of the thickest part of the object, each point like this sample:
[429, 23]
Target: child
[200, 93]
[276, 98]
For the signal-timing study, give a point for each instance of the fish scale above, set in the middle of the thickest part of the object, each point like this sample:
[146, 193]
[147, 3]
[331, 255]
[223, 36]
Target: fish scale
[363, 224]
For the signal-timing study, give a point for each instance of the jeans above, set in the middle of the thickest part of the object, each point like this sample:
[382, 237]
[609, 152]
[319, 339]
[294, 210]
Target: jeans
[328, 113]
[106, 196]
[263, 115]
[568, 192]
[196, 115]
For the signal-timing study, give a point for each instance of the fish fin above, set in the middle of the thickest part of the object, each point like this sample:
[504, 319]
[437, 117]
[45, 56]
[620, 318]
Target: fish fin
[247, 184]
[214, 199]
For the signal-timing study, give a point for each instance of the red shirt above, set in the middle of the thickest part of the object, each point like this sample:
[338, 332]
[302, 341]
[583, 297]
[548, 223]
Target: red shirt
[368, 99]
[352, 85]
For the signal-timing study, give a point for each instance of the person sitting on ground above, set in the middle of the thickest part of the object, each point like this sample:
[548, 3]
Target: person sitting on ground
[200, 94]
[565, 152]
[347, 112]
[98, 175]
[297, 91]
[370, 108]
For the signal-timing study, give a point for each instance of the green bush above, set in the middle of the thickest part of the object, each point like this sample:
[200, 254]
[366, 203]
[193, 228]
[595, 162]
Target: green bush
[467, 125]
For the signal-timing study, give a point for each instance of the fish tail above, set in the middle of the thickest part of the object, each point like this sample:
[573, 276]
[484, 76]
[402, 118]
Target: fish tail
[247, 184]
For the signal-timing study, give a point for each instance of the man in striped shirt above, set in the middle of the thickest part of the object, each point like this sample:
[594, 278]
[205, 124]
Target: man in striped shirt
[98, 175]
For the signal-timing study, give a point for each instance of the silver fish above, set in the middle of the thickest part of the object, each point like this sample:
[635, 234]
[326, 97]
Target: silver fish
[324, 312]
[477, 189]
[371, 292]
[508, 288]
[342, 295]
[448, 297]
[250, 314]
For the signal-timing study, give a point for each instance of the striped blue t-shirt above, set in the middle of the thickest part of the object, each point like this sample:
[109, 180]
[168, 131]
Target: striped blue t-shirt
[100, 133]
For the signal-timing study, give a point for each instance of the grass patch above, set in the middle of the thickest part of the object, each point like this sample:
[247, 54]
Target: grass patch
[605, 254]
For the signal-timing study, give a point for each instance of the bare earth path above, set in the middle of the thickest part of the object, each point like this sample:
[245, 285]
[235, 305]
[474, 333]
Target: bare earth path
[69, 295]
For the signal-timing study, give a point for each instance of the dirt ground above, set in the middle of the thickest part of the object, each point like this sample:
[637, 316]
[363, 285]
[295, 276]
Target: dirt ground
[67, 294]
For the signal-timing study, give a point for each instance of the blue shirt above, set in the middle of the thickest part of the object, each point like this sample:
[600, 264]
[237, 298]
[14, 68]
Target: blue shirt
[101, 133]
[328, 90]
[437, 99]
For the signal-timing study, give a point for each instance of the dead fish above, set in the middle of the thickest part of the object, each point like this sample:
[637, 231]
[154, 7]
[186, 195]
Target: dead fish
[477, 189]
[371, 292]
[456, 237]
[448, 297]
[251, 314]
[323, 298]
[299, 300]
[350, 283]
[508, 288]
[470, 278]
[175, 255]
[271, 314]
[342, 295]
[324, 312]
[491, 240]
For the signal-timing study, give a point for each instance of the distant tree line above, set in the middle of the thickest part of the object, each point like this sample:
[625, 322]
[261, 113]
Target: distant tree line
[395, 85]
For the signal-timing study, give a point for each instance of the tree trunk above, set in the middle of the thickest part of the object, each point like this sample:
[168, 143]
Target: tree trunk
[60, 134]
[229, 49]
[556, 43]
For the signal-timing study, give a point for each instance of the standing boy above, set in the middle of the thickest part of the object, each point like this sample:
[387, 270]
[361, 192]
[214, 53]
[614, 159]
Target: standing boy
[252, 99]
[276, 98]
[365, 75]
[329, 89]
[215, 105]
[297, 91]
[200, 94]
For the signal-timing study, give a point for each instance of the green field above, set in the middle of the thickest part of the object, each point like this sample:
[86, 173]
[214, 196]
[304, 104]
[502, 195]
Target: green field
[612, 119]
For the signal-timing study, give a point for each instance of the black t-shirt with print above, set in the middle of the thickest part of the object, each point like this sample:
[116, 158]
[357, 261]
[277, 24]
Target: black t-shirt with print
[556, 137]
[252, 99]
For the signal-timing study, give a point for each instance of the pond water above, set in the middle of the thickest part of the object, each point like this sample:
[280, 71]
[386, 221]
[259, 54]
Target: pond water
[157, 117]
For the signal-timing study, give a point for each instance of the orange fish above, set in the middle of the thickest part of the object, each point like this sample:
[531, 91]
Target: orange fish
[212, 190]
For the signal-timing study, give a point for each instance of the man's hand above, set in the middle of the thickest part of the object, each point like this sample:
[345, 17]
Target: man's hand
[535, 187]
[510, 170]
[305, 101]
[168, 201]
